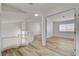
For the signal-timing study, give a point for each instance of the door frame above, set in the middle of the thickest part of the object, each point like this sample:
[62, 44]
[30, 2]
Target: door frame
[75, 12]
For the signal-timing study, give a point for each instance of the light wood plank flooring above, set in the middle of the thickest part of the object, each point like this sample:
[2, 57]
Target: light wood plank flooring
[56, 46]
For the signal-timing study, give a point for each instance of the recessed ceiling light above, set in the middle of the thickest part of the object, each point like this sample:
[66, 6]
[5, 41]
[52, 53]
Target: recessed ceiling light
[36, 15]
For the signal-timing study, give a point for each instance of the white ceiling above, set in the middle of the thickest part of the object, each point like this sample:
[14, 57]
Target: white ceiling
[13, 12]
[62, 16]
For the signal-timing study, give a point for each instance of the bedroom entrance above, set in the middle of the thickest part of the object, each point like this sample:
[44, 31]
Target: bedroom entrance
[61, 32]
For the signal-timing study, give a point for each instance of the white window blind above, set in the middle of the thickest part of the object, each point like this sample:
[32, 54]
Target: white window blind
[66, 27]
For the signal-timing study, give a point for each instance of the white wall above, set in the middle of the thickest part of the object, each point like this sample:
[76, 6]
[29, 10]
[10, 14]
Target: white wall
[9, 34]
[49, 28]
[34, 27]
[0, 37]
[9, 29]
[0, 28]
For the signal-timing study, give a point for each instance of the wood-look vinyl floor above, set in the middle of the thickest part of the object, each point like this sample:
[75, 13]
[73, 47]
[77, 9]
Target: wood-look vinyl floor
[55, 47]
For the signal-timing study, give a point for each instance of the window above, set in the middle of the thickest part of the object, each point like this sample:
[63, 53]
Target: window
[66, 27]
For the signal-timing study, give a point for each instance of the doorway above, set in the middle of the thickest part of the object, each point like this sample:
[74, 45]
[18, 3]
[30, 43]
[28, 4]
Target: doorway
[61, 32]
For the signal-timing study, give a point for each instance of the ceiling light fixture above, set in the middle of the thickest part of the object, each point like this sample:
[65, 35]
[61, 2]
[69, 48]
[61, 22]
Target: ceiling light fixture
[36, 15]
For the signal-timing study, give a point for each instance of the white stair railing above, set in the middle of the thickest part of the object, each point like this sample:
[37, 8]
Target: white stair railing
[25, 37]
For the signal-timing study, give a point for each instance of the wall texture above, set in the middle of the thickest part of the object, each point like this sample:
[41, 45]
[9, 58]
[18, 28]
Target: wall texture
[9, 33]
[0, 28]
[9, 29]
[34, 27]
[62, 34]
[49, 28]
